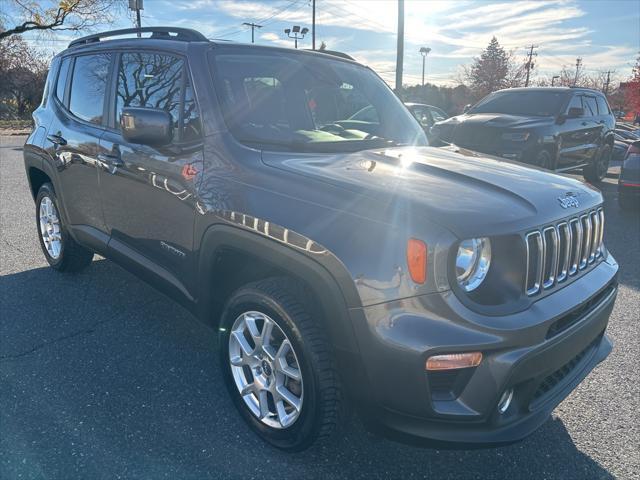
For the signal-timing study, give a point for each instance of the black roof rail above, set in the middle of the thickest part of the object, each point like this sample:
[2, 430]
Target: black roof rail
[335, 53]
[181, 34]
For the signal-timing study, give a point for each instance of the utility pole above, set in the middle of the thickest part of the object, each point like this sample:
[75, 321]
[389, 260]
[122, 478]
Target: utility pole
[605, 90]
[313, 24]
[137, 5]
[400, 49]
[578, 64]
[529, 64]
[253, 27]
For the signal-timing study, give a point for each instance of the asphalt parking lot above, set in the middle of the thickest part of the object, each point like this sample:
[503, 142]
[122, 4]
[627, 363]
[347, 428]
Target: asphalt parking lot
[103, 377]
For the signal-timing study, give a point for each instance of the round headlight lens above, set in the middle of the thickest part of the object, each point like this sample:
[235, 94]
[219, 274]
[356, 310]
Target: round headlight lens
[472, 262]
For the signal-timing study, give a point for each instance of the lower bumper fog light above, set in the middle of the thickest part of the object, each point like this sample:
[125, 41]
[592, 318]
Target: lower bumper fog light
[505, 400]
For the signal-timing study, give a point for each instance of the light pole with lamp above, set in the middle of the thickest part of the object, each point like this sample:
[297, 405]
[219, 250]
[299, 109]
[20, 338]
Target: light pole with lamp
[424, 51]
[296, 30]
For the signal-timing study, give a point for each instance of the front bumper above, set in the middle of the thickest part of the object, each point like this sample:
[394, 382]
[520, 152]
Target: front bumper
[526, 352]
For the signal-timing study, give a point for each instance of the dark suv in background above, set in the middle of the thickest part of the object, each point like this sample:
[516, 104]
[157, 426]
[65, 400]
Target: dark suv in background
[340, 261]
[557, 128]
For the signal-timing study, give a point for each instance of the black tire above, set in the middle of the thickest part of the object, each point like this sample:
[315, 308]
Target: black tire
[628, 203]
[543, 160]
[597, 170]
[321, 409]
[72, 257]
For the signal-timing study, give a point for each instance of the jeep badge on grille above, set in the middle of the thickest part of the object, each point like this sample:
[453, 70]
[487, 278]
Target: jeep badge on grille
[569, 199]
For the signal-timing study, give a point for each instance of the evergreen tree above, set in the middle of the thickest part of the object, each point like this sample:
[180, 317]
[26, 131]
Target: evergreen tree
[490, 71]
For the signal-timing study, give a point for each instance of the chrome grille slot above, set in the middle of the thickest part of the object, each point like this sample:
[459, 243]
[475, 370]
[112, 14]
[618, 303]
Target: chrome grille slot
[595, 221]
[576, 245]
[564, 252]
[601, 237]
[585, 220]
[550, 256]
[557, 252]
[533, 278]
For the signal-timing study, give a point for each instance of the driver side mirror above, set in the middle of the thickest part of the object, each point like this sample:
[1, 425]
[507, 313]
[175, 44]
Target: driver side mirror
[148, 126]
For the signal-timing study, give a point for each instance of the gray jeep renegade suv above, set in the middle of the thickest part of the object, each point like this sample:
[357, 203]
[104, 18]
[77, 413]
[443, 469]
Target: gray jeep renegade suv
[342, 262]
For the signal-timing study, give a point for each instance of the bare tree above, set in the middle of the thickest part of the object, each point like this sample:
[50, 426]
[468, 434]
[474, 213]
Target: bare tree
[23, 70]
[20, 16]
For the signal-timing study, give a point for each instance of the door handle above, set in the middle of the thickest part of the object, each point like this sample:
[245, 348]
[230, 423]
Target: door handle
[114, 160]
[56, 139]
[111, 161]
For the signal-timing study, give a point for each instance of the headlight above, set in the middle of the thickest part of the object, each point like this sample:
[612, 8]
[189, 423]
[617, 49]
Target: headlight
[472, 262]
[516, 136]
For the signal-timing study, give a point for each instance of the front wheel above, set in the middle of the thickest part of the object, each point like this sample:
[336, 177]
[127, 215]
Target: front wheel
[597, 170]
[543, 160]
[278, 365]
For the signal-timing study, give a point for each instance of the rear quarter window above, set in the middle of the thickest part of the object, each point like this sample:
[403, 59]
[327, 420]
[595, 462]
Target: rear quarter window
[61, 82]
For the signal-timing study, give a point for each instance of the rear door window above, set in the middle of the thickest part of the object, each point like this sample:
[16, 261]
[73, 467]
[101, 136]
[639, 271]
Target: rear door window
[88, 87]
[589, 105]
[603, 108]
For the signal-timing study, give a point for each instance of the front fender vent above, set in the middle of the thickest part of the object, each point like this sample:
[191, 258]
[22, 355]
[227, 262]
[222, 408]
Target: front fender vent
[557, 252]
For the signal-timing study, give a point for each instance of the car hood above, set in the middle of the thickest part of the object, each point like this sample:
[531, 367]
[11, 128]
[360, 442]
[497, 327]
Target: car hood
[498, 120]
[461, 190]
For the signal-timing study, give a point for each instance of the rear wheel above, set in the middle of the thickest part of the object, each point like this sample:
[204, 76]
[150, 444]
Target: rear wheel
[60, 250]
[597, 170]
[278, 365]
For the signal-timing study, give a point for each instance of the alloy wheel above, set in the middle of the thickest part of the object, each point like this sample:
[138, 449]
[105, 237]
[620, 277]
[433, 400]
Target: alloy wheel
[265, 369]
[50, 227]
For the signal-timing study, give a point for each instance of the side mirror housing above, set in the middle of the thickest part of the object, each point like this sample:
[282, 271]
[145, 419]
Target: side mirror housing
[575, 112]
[148, 126]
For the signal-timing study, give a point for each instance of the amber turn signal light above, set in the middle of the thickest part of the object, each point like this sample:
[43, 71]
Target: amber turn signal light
[453, 361]
[417, 260]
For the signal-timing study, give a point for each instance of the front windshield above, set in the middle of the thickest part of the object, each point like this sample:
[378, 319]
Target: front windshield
[302, 102]
[532, 103]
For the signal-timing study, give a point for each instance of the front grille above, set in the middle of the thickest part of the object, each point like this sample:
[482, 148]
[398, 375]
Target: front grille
[475, 137]
[557, 252]
[551, 381]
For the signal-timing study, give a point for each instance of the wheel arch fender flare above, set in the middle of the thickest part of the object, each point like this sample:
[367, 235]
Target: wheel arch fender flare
[327, 278]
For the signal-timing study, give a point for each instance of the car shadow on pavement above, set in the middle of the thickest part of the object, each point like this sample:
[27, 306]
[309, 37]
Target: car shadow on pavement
[103, 377]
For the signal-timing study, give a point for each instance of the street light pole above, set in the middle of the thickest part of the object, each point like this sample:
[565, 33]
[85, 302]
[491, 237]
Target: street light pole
[296, 30]
[424, 51]
[400, 47]
[553, 79]
[313, 25]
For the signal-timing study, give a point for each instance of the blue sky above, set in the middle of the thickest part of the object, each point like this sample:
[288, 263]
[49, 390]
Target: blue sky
[606, 33]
